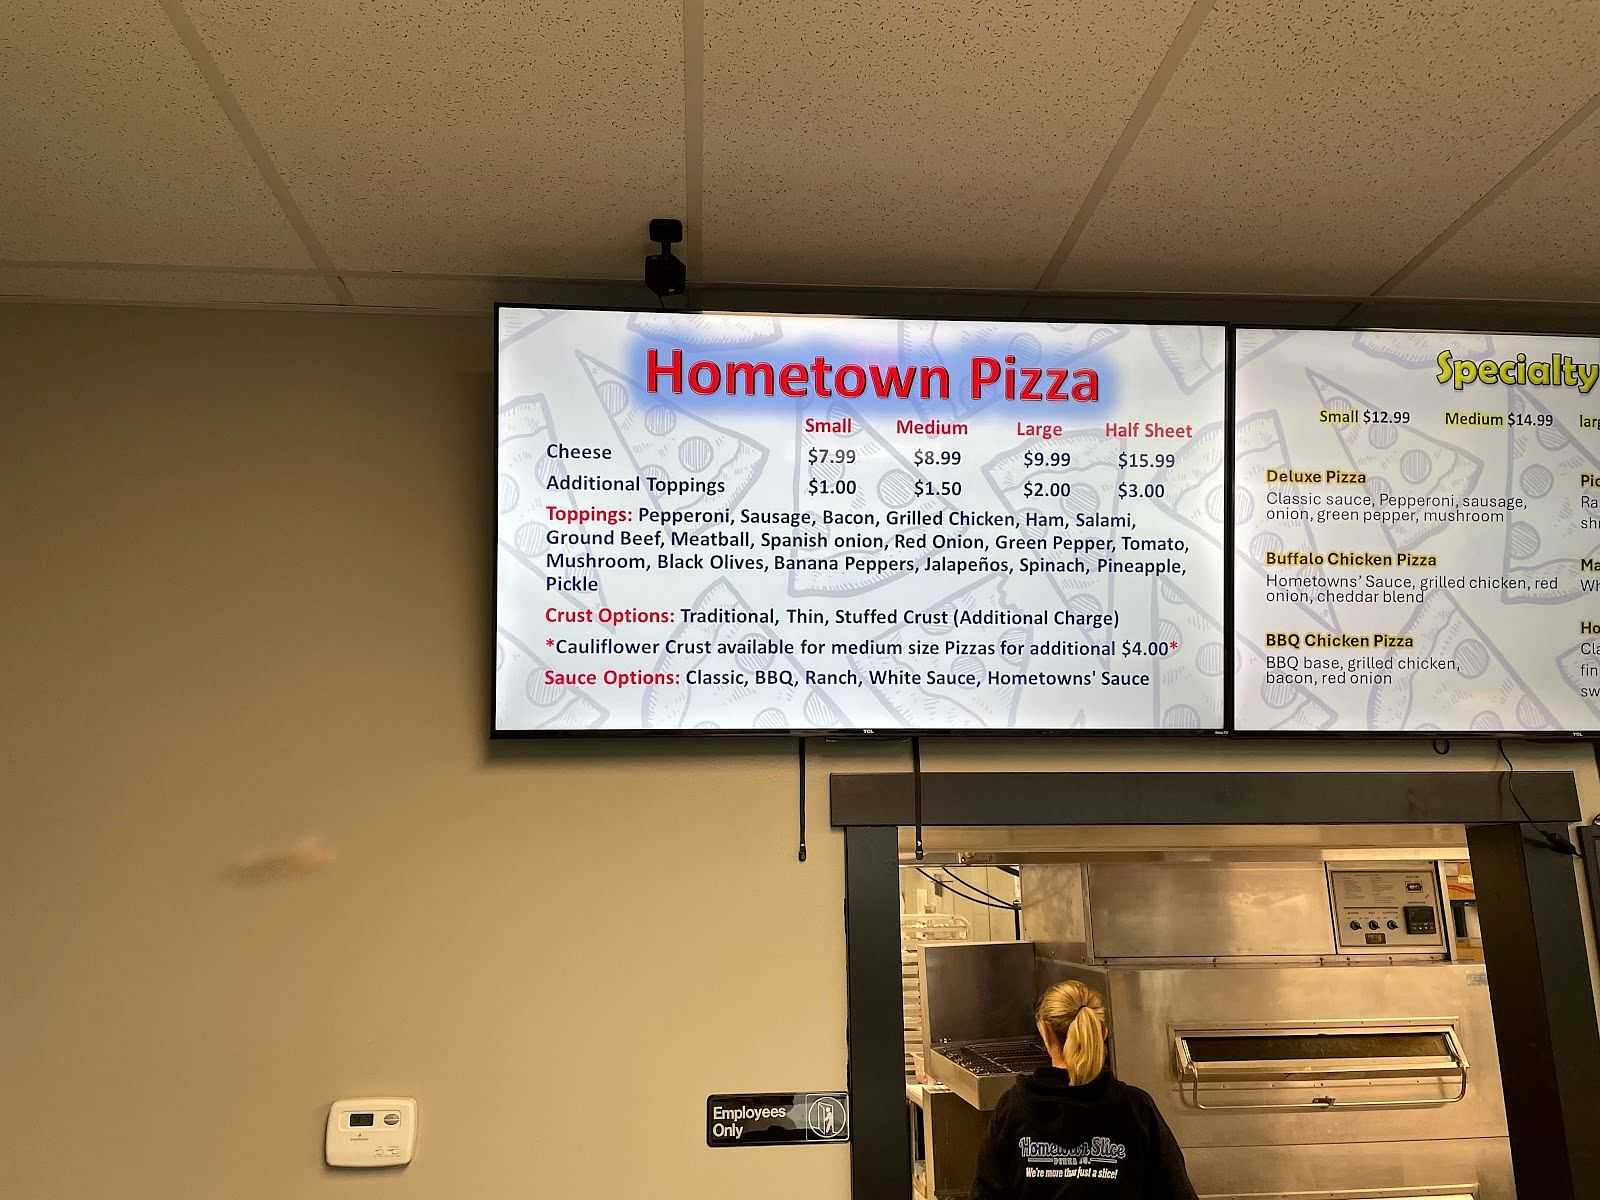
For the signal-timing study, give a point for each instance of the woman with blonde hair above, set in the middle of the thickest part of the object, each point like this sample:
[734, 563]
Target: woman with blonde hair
[1072, 1129]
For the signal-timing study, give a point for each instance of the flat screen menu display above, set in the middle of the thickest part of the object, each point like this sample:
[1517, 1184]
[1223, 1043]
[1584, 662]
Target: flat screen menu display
[1418, 532]
[770, 523]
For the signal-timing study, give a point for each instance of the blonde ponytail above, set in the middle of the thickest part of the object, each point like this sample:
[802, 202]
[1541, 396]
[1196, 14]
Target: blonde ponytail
[1076, 1014]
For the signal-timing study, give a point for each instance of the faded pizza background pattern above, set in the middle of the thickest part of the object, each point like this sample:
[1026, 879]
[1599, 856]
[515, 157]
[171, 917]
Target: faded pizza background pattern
[577, 377]
[1513, 657]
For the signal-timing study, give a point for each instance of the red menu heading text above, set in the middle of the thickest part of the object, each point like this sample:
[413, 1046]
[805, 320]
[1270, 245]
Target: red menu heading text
[986, 379]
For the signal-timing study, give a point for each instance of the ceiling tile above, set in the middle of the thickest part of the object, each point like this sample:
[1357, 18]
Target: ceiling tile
[1540, 239]
[864, 303]
[940, 143]
[161, 287]
[439, 295]
[479, 295]
[428, 136]
[1315, 146]
[113, 148]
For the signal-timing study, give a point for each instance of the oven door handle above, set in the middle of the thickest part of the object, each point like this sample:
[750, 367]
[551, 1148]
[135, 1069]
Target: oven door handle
[1322, 1103]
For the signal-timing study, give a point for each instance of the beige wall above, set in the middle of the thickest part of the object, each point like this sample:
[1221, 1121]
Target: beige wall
[246, 600]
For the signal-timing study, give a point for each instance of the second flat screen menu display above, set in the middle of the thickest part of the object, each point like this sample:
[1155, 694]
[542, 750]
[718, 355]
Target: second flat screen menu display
[745, 522]
[1417, 540]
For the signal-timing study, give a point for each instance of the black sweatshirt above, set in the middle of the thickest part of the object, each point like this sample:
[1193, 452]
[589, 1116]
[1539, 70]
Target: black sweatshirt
[1103, 1140]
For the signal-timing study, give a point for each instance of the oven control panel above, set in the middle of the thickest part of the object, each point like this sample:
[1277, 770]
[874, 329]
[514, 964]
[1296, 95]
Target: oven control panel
[1384, 909]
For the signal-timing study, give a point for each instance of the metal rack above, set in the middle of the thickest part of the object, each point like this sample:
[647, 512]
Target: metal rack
[918, 930]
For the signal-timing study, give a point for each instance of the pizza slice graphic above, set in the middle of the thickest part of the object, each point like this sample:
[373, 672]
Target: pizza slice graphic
[769, 706]
[518, 323]
[1541, 457]
[928, 705]
[1194, 665]
[883, 479]
[1197, 353]
[1586, 687]
[1278, 707]
[1191, 353]
[665, 441]
[526, 430]
[706, 331]
[1475, 696]
[523, 700]
[1399, 456]
[1416, 350]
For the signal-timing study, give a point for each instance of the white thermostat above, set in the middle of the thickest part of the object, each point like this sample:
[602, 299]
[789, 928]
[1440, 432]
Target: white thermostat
[371, 1132]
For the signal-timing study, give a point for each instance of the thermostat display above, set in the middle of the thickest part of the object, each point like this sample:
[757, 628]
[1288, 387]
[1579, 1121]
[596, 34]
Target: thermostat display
[371, 1132]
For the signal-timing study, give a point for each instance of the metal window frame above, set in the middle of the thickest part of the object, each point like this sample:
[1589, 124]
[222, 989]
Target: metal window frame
[1537, 962]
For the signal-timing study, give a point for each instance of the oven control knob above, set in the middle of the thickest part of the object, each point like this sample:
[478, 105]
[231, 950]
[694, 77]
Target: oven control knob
[1355, 924]
[1394, 925]
[1372, 924]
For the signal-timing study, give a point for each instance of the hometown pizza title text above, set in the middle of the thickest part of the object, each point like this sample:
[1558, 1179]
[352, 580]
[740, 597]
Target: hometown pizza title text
[986, 378]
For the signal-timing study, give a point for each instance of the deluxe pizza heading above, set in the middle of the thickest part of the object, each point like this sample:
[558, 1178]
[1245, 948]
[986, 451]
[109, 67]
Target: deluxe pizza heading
[986, 378]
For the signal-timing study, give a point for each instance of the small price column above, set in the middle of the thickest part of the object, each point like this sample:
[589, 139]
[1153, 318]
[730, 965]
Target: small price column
[830, 472]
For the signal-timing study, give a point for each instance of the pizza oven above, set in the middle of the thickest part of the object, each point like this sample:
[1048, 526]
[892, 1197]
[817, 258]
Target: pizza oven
[1307, 1028]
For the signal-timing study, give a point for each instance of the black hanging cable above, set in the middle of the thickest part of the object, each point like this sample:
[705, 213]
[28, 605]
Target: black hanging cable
[1557, 842]
[951, 884]
[1014, 905]
[916, 791]
[801, 742]
[1014, 908]
[967, 883]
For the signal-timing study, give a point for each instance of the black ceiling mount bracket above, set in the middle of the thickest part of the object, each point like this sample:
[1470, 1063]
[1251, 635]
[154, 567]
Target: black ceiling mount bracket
[665, 274]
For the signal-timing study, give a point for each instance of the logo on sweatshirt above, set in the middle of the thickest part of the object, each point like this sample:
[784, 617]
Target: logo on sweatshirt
[1098, 1159]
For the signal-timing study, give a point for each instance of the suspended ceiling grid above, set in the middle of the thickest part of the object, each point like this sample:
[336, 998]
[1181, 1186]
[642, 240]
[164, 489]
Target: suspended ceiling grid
[1336, 160]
